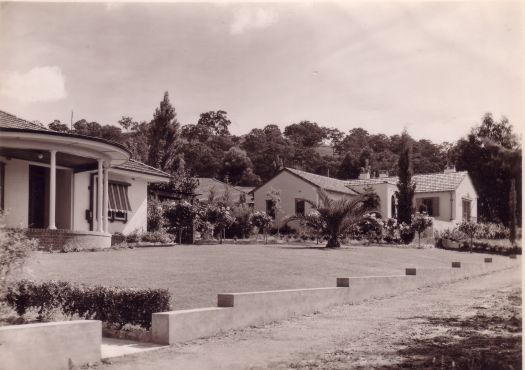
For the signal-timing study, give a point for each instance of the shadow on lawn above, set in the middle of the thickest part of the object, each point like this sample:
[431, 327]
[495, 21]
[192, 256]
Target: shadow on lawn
[481, 342]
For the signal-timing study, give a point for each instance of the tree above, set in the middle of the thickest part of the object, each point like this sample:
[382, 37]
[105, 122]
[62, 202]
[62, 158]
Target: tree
[405, 186]
[179, 217]
[305, 133]
[238, 168]
[162, 136]
[262, 222]
[338, 215]
[469, 228]
[349, 168]
[274, 196]
[56, 125]
[216, 122]
[512, 212]
[220, 217]
[181, 183]
[492, 156]
[420, 222]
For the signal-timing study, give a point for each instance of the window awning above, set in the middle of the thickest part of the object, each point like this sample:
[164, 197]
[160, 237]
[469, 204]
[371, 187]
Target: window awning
[118, 198]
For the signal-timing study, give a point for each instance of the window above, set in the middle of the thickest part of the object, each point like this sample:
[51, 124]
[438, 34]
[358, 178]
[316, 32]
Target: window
[466, 205]
[270, 208]
[428, 205]
[299, 207]
[119, 205]
[393, 207]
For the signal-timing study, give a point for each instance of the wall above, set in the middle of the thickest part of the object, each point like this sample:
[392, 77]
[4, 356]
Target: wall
[446, 201]
[291, 187]
[69, 239]
[16, 192]
[50, 346]
[80, 201]
[385, 192]
[466, 190]
[138, 199]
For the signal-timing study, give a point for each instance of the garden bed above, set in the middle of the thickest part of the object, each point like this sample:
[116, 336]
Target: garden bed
[497, 246]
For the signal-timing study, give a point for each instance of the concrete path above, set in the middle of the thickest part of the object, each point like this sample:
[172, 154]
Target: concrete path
[119, 347]
[367, 331]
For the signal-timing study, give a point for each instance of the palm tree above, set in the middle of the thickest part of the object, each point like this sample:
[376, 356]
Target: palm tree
[335, 217]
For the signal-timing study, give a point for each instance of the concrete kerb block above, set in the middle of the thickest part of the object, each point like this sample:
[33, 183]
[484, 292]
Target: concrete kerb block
[456, 264]
[513, 256]
[488, 259]
[410, 271]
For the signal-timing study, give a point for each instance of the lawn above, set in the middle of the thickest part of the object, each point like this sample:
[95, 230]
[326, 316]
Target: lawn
[195, 274]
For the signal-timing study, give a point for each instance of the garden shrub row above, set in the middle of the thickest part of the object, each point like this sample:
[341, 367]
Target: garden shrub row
[114, 306]
[478, 247]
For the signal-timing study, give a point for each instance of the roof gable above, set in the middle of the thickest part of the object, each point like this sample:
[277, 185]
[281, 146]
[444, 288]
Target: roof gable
[139, 167]
[206, 184]
[323, 182]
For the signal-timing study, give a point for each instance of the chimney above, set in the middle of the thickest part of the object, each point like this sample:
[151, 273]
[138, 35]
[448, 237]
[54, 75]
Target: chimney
[383, 174]
[365, 174]
[450, 169]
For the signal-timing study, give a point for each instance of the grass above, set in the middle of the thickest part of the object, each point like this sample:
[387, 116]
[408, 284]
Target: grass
[196, 274]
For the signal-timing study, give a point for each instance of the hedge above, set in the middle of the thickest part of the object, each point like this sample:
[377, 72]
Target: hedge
[480, 247]
[113, 306]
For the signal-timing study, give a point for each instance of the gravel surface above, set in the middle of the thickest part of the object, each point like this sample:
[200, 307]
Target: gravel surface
[474, 323]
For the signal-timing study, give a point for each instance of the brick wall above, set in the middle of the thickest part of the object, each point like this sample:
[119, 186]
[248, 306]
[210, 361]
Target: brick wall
[69, 239]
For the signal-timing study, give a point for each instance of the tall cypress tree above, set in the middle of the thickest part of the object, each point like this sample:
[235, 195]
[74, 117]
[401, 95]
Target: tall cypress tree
[162, 136]
[512, 211]
[405, 186]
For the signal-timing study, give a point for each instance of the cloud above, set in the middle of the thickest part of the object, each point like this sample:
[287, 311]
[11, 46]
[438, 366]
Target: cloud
[39, 84]
[252, 18]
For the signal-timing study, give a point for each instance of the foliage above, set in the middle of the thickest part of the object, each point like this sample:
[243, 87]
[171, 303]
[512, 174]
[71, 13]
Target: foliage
[512, 212]
[405, 186]
[238, 168]
[420, 222]
[179, 217]
[162, 136]
[158, 236]
[338, 216]
[219, 216]
[468, 228]
[305, 133]
[242, 223]
[491, 230]
[371, 226]
[391, 231]
[113, 306]
[492, 155]
[262, 221]
[155, 215]
[274, 195]
[15, 248]
[406, 233]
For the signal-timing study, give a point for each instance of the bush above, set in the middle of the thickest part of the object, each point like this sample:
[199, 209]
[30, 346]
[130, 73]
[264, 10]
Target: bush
[491, 230]
[391, 231]
[15, 248]
[420, 222]
[118, 238]
[159, 236]
[134, 237]
[155, 215]
[406, 233]
[114, 306]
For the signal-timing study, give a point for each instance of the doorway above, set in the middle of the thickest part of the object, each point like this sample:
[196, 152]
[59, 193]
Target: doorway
[38, 197]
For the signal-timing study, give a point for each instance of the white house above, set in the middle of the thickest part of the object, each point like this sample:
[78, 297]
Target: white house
[295, 186]
[70, 189]
[448, 197]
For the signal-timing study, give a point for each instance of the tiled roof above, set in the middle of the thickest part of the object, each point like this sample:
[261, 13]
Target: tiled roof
[206, 185]
[425, 183]
[9, 121]
[326, 183]
[139, 167]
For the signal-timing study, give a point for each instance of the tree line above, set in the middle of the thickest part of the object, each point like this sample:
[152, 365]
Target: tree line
[491, 152]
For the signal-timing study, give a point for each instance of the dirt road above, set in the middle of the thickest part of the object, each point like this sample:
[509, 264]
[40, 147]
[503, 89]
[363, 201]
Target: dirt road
[476, 321]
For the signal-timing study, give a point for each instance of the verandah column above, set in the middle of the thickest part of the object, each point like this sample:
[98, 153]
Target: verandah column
[99, 196]
[52, 189]
[106, 198]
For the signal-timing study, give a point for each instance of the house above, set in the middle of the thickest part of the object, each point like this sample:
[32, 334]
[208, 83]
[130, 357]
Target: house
[207, 186]
[295, 186]
[448, 197]
[70, 189]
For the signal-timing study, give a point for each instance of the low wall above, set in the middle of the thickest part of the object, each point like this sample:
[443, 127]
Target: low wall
[69, 239]
[238, 310]
[53, 346]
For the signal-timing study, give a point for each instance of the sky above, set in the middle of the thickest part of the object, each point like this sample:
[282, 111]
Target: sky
[434, 68]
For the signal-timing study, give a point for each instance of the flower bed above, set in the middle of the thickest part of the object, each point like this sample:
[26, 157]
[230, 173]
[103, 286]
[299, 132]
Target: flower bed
[479, 246]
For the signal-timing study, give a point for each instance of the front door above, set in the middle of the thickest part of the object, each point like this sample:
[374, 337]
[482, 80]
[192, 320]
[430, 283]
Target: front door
[38, 185]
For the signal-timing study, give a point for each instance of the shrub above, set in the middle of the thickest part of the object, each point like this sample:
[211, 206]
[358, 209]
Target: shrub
[134, 237]
[15, 248]
[262, 221]
[491, 230]
[117, 238]
[420, 222]
[159, 236]
[371, 227]
[391, 231]
[468, 228]
[406, 233]
[155, 215]
[114, 306]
